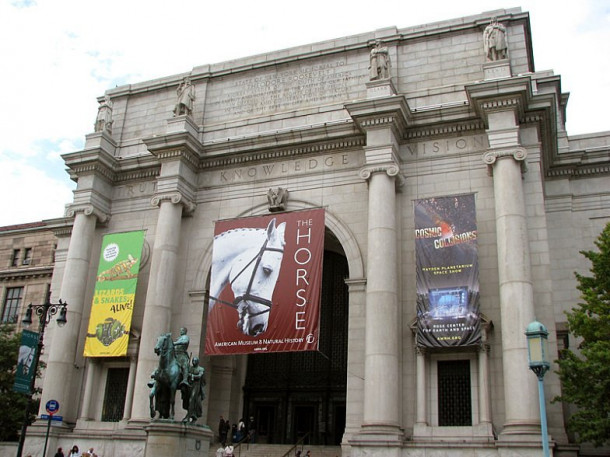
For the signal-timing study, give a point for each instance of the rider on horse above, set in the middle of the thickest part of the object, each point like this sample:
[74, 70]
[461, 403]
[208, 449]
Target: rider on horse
[180, 347]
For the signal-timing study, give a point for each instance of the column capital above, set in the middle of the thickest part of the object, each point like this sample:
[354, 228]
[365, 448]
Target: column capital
[519, 154]
[390, 169]
[88, 210]
[175, 198]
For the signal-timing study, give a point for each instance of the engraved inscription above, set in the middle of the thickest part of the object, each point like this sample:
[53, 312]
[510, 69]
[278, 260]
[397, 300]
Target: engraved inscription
[142, 189]
[276, 169]
[286, 89]
[446, 146]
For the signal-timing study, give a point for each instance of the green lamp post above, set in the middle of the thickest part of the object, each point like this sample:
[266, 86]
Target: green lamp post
[537, 354]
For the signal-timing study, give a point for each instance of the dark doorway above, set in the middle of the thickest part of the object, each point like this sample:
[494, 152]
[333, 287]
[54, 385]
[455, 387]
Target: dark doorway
[454, 399]
[265, 420]
[304, 423]
[302, 389]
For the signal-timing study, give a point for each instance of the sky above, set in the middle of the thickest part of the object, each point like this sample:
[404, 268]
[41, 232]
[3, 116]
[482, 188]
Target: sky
[58, 56]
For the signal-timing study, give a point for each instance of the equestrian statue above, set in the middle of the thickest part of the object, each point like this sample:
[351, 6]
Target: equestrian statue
[176, 373]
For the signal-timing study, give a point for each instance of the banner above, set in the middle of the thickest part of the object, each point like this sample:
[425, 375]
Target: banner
[447, 272]
[114, 295]
[25, 359]
[265, 284]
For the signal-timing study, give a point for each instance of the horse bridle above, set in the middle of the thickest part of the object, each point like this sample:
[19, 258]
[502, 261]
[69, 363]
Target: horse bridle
[247, 296]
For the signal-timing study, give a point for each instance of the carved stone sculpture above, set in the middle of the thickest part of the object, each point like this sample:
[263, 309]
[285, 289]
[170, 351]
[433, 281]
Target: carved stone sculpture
[494, 41]
[277, 199]
[186, 97]
[104, 116]
[380, 62]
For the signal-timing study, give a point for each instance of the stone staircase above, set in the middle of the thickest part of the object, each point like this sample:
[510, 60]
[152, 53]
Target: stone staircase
[278, 450]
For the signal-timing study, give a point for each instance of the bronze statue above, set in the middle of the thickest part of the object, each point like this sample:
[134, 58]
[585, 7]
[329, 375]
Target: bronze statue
[196, 393]
[181, 346]
[166, 379]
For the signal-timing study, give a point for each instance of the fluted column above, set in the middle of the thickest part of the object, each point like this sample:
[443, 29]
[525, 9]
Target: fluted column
[159, 296]
[382, 377]
[506, 160]
[62, 352]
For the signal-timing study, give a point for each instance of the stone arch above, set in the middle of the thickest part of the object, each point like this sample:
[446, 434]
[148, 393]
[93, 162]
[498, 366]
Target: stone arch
[341, 231]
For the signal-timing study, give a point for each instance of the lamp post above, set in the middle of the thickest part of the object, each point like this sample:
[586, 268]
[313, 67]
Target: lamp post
[44, 312]
[537, 354]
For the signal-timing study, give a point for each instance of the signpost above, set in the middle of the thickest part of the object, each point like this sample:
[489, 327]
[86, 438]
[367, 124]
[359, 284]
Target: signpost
[52, 407]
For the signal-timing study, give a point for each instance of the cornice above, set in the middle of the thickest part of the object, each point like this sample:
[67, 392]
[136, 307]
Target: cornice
[284, 153]
[392, 111]
[95, 161]
[27, 273]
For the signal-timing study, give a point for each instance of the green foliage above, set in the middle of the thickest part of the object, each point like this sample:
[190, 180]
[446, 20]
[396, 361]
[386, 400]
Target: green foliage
[585, 377]
[12, 404]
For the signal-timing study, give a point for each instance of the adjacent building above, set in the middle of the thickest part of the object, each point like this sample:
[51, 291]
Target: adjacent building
[443, 133]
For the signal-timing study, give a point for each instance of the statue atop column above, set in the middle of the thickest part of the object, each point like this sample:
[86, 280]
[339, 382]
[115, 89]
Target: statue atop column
[186, 97]
[494, 41]
[194, 401]
[380, 62]
[277, 199]
[104, 116]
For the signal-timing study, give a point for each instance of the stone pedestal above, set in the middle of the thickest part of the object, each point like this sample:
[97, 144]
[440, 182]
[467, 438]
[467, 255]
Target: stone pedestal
[165, 438]
[496, 70]
[380, 88]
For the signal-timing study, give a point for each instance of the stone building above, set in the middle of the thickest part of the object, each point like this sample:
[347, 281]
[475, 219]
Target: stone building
[365, 127]
[27, 257]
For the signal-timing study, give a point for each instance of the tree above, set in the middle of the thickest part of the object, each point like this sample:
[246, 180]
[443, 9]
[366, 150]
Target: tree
[585, 377]
[12, 404]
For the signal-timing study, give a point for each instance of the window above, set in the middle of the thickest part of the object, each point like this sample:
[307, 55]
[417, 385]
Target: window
[12, 300]
[27, 256]
[454, 398]
[114, 397]
[15, 258]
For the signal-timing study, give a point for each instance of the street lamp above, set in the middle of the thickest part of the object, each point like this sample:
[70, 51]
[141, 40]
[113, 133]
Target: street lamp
[537, 354]
[44, 312]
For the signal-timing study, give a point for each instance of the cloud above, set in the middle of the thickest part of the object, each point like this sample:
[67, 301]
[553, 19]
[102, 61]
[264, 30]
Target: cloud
[63, 54]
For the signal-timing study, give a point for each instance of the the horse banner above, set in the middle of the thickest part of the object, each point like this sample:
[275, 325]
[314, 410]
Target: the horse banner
[114, 295]
[265, 284]
[25, 359]
[447, 272]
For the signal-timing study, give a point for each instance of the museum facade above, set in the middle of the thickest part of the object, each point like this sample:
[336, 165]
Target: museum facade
[439, 140]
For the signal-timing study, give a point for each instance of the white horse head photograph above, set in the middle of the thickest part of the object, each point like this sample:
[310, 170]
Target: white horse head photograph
[249, 261]
[25, 358]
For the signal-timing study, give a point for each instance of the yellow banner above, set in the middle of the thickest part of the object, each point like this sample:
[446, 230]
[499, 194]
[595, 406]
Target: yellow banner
[114, 295]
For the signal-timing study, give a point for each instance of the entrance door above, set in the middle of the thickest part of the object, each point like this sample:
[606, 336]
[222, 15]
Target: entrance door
[304, 423]
[265, 422]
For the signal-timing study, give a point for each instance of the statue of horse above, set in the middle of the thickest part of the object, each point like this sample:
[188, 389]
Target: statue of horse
[249, 260]
[166, 378]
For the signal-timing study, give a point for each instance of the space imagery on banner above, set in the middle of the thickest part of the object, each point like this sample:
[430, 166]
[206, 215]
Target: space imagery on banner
[447, 272]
